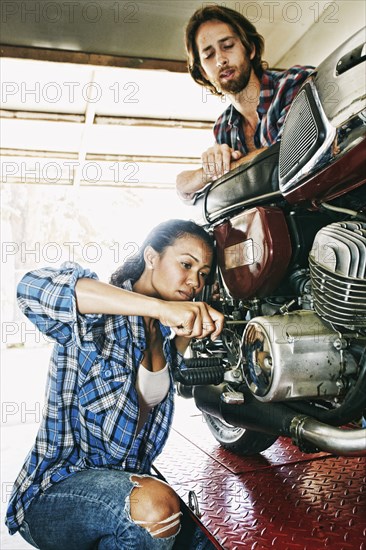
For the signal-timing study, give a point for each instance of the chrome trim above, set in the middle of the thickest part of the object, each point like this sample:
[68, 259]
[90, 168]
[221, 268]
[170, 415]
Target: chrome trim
[330, 135]
[242, 204]
[342, 442]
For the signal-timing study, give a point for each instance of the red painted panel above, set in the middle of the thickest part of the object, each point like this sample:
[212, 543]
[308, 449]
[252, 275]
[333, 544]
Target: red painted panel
[345, 173]
[254, 250]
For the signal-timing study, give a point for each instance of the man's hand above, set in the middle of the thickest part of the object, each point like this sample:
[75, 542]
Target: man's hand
[191, 319]
[217, 161]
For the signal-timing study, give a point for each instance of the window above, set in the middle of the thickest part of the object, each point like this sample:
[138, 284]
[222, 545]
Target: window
[89, 161]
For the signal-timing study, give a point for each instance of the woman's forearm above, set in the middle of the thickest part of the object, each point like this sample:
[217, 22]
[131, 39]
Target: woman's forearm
[194, 319]
[97, 297]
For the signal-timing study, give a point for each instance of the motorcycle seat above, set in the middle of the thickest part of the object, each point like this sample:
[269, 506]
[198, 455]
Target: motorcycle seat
[252, 182]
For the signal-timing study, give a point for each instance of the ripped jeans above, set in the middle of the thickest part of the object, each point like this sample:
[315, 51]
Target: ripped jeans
[90, 510]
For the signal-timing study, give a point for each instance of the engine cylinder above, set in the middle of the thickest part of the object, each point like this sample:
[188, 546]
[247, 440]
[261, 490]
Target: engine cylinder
[338, 274]
[294, 356]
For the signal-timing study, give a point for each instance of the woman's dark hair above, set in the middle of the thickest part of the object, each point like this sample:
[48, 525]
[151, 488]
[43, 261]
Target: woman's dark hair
[159, 238]
[242, 27]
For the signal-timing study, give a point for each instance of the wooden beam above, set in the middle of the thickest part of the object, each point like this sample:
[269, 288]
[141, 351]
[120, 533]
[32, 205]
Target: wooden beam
[84, 58]
[101, 157]
[114, 120]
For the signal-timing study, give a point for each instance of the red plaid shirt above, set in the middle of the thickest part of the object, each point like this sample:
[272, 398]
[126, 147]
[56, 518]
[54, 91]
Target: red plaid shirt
[278, 89]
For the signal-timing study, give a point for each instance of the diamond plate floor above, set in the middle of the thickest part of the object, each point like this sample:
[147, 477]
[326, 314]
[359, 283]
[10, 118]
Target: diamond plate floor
[281, 499]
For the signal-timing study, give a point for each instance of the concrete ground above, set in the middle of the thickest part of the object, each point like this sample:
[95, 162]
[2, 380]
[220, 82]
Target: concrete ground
[23, 378]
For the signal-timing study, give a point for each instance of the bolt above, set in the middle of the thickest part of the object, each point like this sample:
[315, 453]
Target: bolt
[340, 343]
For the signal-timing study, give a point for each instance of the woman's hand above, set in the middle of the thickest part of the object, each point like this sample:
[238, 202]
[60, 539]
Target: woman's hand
[192, 319]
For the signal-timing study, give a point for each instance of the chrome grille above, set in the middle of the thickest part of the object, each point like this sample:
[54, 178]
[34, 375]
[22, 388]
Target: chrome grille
[302, 136]
[338, 270]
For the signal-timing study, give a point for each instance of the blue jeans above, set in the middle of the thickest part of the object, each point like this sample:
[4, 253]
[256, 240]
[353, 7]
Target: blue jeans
[90, 511]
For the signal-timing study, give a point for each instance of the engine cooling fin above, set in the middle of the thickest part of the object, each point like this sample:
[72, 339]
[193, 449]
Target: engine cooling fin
[338, 271]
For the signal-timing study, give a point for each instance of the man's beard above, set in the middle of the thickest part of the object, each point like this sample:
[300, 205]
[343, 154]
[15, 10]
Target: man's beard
[237, 85]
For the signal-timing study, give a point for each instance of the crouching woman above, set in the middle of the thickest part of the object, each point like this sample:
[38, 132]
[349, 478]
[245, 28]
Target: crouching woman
[85, 483]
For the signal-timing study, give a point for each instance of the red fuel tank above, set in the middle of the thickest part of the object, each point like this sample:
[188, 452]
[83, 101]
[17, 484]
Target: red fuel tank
[254, 250]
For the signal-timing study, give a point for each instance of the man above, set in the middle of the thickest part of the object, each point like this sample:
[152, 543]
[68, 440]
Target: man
[225, 55]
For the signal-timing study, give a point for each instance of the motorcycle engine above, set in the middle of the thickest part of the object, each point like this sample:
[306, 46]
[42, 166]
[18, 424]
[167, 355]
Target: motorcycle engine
[303, 354]
[338, 270]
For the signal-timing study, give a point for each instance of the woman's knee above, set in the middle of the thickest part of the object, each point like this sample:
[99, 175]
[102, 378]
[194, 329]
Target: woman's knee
[155, 506]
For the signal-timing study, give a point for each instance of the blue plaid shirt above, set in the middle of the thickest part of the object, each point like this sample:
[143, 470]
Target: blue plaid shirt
[278, 89]
[91, 413]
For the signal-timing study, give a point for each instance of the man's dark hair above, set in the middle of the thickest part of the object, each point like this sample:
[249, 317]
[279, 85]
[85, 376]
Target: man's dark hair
[159, 238]
[241, 26]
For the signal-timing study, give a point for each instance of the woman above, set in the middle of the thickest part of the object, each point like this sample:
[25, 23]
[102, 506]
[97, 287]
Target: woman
[85, 482]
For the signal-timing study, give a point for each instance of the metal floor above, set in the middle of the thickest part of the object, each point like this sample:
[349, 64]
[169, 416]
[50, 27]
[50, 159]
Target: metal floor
[281, 499]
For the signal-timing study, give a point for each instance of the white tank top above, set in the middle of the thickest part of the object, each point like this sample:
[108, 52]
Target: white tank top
[152, 388]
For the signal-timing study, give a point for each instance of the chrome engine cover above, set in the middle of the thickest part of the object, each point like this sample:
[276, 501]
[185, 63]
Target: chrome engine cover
[294, 356]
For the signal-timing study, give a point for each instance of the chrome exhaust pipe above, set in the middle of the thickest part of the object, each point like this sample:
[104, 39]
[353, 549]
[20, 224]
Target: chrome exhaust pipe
[341, 442]
[306, 432]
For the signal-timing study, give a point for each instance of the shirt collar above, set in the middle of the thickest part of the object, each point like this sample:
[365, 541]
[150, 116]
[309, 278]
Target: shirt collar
[233, 117]
[267, 90]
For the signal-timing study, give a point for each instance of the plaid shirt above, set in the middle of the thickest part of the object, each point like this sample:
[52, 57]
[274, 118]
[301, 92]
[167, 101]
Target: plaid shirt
[91, 413]
[278, 89]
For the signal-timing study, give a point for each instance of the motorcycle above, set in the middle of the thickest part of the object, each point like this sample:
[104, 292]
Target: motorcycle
[290, 233]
